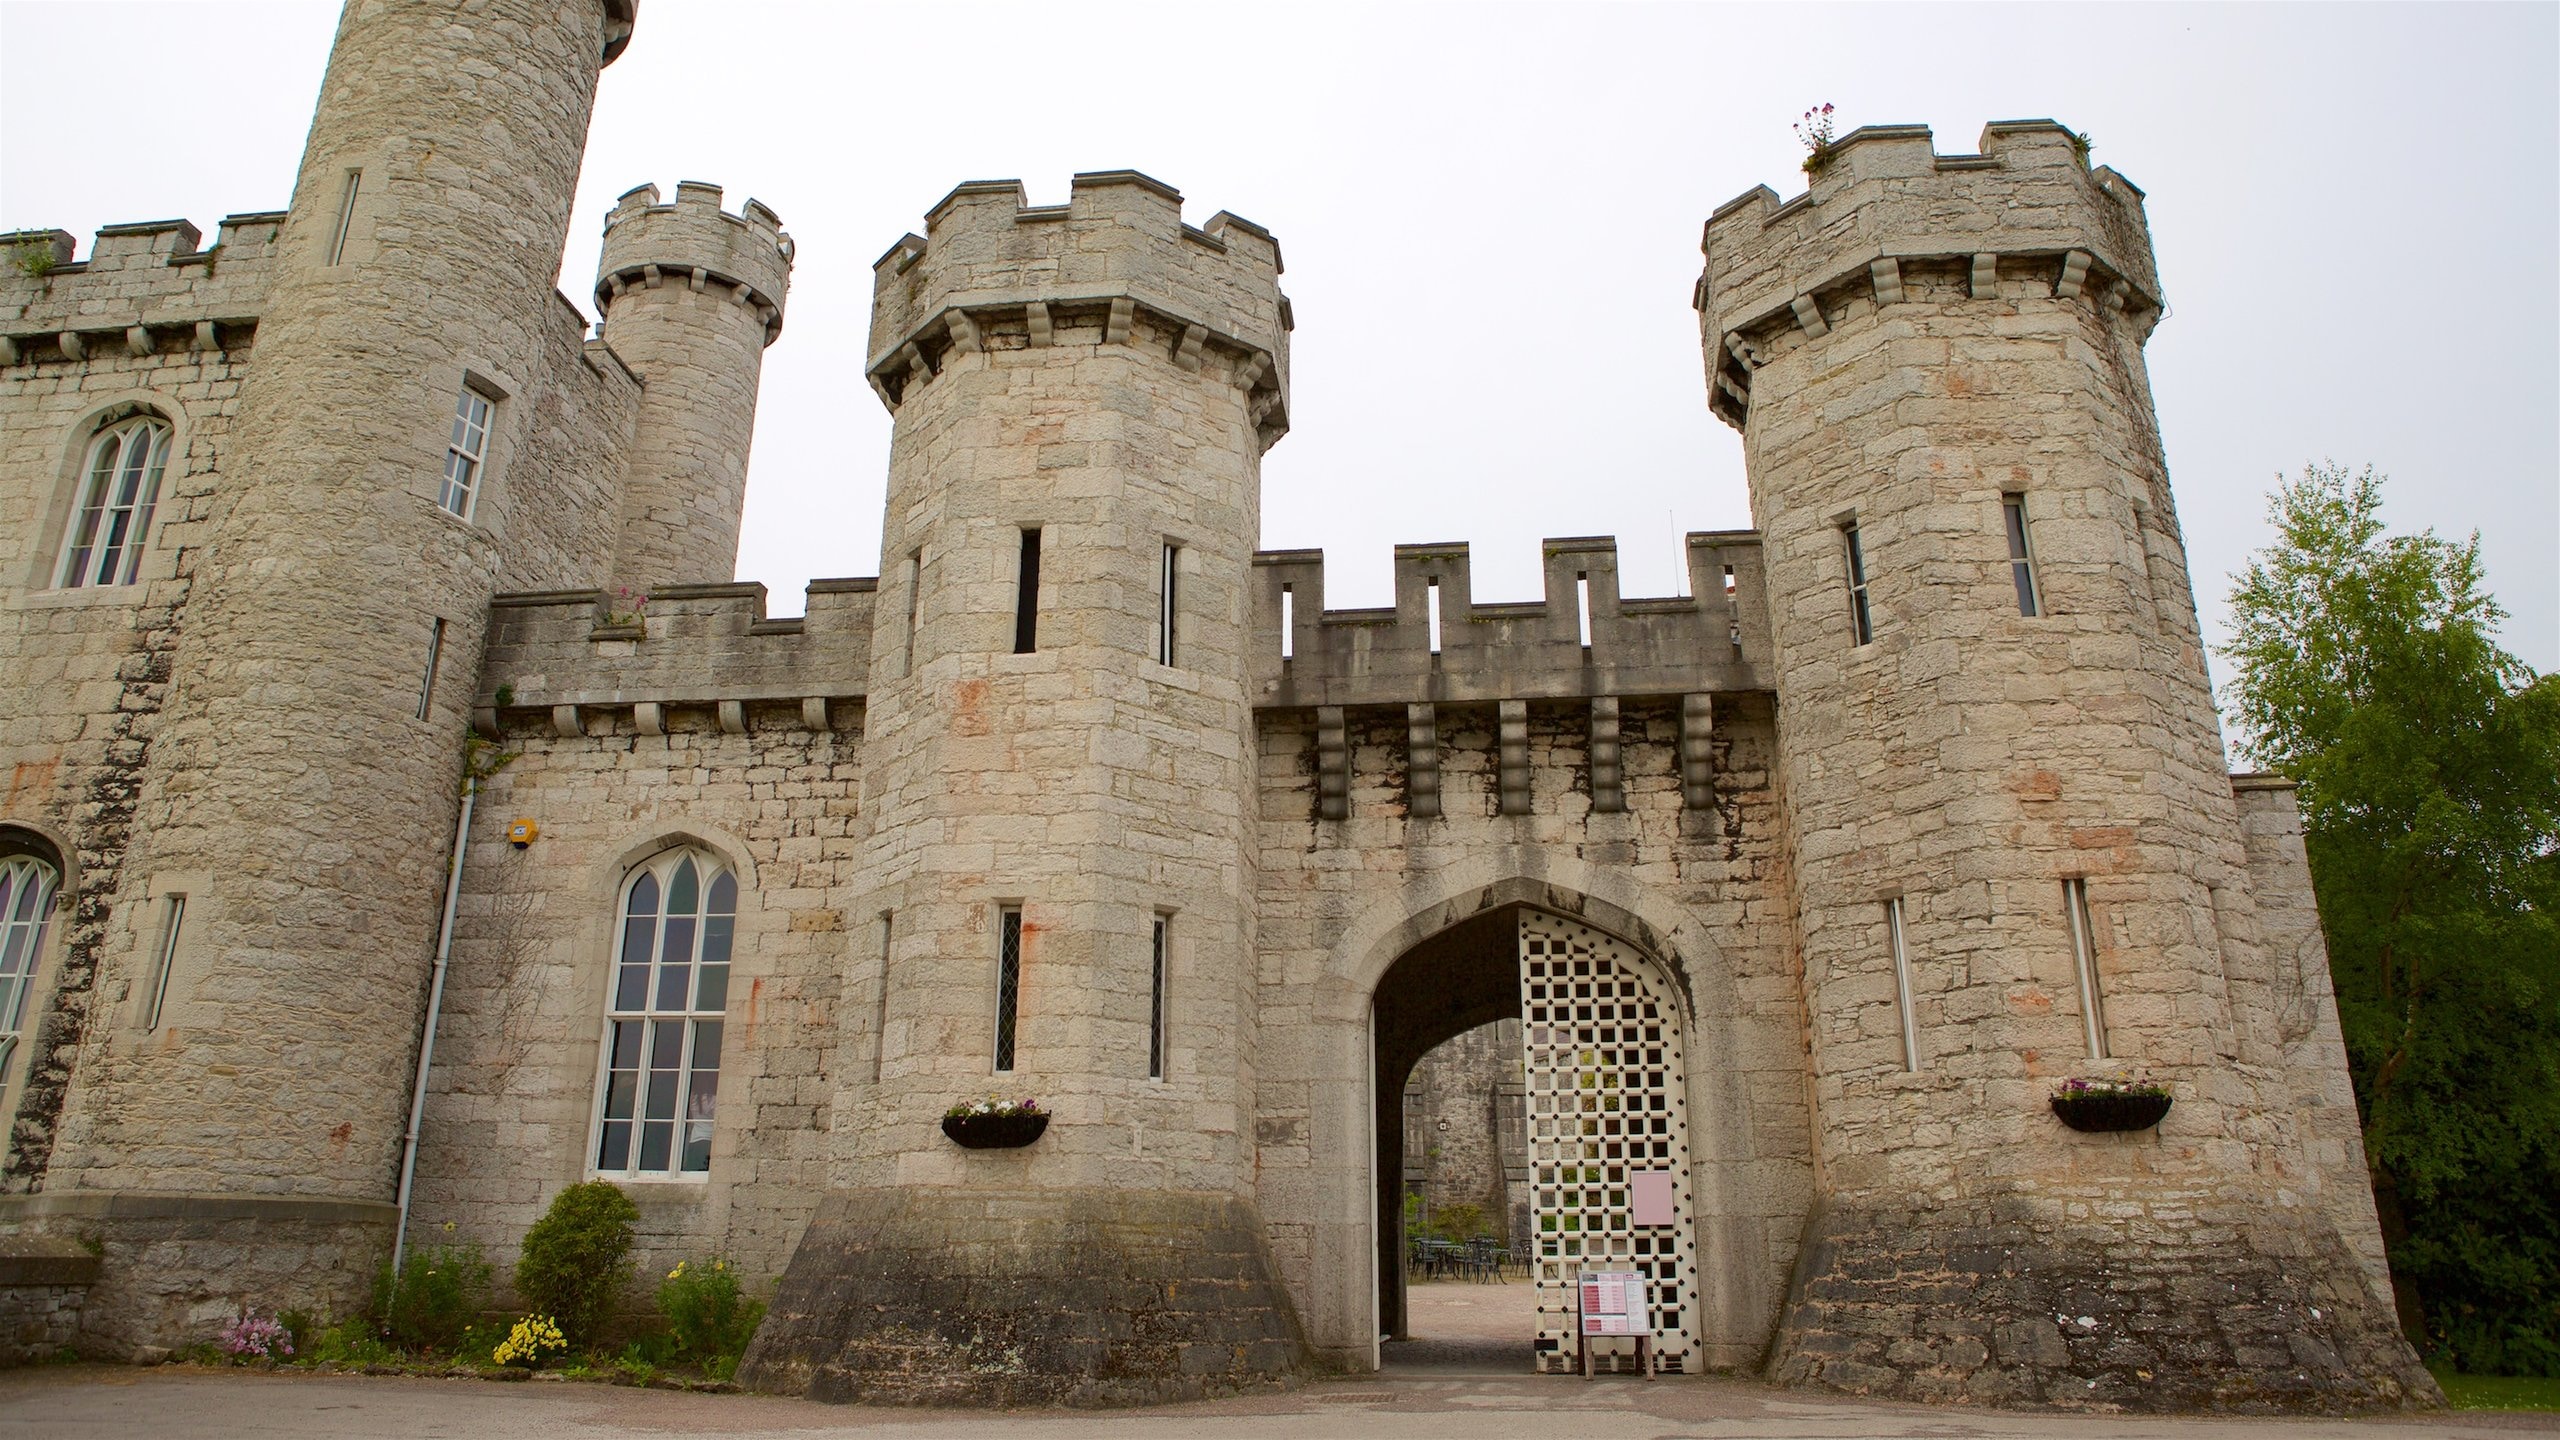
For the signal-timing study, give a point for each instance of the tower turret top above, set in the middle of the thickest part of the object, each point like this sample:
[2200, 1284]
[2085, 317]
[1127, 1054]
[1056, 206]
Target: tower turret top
[1883, 193]
[1119, 236]
[698, 244]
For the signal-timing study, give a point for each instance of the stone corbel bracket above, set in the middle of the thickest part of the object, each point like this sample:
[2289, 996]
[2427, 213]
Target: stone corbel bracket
[919, 357]
[138, 339]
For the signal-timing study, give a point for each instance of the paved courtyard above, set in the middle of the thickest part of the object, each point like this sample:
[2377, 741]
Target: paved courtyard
[97, 1402]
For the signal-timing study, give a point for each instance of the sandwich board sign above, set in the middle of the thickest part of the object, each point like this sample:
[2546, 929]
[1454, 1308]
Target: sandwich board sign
[1613, 1304]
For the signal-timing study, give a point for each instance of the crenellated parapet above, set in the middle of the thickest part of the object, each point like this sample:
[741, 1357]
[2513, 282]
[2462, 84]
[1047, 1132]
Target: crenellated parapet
[1114, 265]
[695, 244]
[145, 288]
[1714, 639]
[570, 658]
[2027, 217]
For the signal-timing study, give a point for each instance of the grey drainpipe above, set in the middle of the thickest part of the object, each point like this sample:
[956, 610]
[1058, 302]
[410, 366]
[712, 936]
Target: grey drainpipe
[427, 1041]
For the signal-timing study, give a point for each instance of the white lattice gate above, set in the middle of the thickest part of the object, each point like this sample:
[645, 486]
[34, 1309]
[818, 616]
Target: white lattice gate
[1606, 1105]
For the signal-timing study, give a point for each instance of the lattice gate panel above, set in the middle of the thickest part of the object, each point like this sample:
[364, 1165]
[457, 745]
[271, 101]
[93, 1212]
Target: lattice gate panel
[1606, 1099]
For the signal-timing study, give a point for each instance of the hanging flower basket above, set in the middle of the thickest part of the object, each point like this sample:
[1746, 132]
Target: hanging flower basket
[2103, 1105]
[995, 1124]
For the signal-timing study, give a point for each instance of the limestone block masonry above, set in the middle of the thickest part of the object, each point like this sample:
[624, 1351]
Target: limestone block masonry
[1995, 752]
[1910, 805]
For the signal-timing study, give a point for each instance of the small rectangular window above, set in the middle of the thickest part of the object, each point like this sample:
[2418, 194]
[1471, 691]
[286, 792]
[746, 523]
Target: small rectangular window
[880, 998]
[1155, 1005]
[2084, 960]
[1008, 980]
[1165, 573]
[1026, 597]
[1902, 983]
[1431, 609]
[1582, 605]
[346, 216]
[172, 918]
[1861, 623]
[435, 656]
[465, 453]
[1288, 622]
[2022, 570]
[915, 602]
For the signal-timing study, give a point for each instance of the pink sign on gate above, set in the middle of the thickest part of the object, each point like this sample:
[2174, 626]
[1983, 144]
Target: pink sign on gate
[1649, 1196]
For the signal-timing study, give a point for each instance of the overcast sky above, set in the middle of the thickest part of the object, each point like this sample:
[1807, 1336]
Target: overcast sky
[1490, 216]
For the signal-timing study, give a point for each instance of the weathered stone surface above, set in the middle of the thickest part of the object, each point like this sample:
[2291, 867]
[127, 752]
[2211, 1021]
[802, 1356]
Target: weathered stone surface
[2273, 1314]
[935, 1296]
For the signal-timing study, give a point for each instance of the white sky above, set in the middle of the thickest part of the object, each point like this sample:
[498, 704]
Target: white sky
[1491, 215]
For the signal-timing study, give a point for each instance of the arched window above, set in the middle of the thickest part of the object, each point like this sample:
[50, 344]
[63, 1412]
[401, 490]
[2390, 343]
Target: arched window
[662, 1037]
[26, 904]
[113, 519]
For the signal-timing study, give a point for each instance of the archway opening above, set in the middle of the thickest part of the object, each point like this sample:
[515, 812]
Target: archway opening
[1571, 1035]
[1449, 988]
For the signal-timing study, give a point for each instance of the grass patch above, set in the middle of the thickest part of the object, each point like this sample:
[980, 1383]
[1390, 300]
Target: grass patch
[2499, 1392]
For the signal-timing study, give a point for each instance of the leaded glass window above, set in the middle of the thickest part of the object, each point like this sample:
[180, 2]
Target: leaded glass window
[465, 453]
[26, 904]
[117, 492]
[663, 1032]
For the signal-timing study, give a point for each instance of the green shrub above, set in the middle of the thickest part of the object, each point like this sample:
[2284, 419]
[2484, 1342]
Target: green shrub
[575, 1258]
[707, 1315]
[1462, 1220]
[439, 1291]
[349, 1342]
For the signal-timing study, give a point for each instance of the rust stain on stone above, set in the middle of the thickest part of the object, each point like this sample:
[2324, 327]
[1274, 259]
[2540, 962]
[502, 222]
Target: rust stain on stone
[969, 708]
[30, 775]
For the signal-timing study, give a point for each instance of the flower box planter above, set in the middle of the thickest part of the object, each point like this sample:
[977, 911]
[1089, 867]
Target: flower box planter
[995, 1131]
[2104, 1112]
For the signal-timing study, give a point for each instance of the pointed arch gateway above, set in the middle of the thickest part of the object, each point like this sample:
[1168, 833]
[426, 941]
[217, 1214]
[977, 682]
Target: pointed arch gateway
[1605, 1076]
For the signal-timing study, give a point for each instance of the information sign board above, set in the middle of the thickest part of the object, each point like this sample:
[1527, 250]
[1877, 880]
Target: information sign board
[1613, 1303]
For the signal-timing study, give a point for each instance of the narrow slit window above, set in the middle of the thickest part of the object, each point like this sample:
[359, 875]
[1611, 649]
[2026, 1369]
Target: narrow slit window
[113, 520]
[1431, 600]
[435, 657]
[346, 216]
[880, 997]
[1155, 1004]
[1026, 597]
[2022, 569]
[2084, 960]
[915, 602]
[1861, 622]
[1582, 605]
[1288, 622]
[171, 921]
[466, 453]
[1728, 582]
[1165, 573]
[1008, 983]
[1902, 983]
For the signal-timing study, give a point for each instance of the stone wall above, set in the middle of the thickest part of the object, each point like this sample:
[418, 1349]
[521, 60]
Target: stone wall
[84, 671]
[512, 1099]
[44, 1285]
[1463, 1142]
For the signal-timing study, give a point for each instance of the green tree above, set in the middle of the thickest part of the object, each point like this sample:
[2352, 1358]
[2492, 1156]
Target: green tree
[2429, 760]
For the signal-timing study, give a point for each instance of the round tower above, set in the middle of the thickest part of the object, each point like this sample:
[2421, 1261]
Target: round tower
[1058, 764]
[302, 790]
[2017, 853]
[691, 296]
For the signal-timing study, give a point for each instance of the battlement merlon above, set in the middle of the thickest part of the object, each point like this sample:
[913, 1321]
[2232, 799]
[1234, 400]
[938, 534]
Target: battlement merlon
[1714, 639]
[150, 277]
[1119, 238]
[695, 243]
[1886, 195]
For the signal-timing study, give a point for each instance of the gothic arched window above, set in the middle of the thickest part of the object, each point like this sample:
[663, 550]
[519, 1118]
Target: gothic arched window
[112, 521]
[670, 989]
[26, 904]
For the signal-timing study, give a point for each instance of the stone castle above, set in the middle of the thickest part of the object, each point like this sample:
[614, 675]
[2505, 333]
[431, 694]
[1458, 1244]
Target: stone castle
[1804, 888]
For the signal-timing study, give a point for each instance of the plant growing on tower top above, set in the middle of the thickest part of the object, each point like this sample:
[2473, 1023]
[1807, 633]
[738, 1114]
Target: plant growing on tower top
[1815, 130]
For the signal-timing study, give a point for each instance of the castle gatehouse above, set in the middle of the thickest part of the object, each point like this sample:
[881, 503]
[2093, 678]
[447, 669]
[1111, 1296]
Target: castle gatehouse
[1804, 887]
